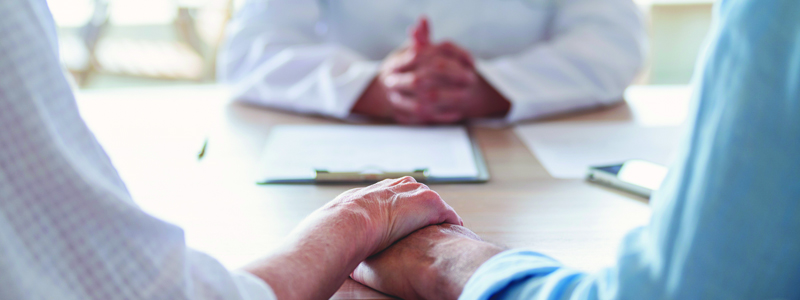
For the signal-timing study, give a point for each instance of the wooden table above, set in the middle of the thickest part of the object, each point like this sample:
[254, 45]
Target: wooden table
[153, 136]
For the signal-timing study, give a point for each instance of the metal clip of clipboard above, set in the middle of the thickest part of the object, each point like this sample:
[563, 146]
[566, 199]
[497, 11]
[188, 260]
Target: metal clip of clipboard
[324, 176]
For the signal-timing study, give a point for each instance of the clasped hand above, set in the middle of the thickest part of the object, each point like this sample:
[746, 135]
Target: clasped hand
[428, 83]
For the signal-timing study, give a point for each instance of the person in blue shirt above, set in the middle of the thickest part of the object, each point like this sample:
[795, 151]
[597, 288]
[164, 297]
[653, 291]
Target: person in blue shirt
[725, 224]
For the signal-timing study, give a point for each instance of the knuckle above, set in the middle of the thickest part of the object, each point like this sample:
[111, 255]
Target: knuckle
[411, 186]
[384, 182]
[417, 81]
[389, 80]
[468, 233]
[429, 196]
[407, 179]
[395, 97]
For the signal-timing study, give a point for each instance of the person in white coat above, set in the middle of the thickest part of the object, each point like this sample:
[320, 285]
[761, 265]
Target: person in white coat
[464, 59]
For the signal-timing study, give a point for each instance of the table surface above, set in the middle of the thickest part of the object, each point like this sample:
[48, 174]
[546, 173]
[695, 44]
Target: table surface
[154, 135]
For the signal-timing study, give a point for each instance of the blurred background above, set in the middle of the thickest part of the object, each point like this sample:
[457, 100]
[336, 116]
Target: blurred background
[128, 43]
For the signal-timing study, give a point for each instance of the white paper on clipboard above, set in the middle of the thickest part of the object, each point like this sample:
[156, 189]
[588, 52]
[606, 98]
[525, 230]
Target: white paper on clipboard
[295, 151]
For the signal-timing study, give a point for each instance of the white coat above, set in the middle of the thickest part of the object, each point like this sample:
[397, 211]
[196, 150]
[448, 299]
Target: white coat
[544, 56]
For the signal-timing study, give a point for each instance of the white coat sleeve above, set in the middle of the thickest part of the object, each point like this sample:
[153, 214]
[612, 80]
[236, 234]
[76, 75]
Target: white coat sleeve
[594, 51]
[273, 56]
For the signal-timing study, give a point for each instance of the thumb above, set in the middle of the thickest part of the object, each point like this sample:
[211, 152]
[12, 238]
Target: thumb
[420, 34]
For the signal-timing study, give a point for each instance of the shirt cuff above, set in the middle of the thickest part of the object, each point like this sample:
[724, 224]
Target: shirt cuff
[251, 287]
[505, 268]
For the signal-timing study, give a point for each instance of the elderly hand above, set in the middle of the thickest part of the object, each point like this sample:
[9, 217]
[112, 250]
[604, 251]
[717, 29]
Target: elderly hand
[432, 263]
[391, 209]
[328, 245]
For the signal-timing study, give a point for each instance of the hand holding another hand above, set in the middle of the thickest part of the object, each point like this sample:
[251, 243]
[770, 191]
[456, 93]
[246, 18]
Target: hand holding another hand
[432, 263]
[391, 209]
[326, 247]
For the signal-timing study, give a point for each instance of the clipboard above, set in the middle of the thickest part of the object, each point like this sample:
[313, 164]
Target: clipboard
[373, 174]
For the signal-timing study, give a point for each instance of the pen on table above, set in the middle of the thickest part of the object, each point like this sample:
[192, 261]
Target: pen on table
[203, 150]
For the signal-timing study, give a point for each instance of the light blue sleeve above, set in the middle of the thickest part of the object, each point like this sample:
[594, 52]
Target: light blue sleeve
[726, 223]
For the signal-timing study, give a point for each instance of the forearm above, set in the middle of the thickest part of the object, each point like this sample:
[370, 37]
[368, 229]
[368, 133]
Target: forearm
[457, 261]
[373, 102]
[316, 258]
[491, 103]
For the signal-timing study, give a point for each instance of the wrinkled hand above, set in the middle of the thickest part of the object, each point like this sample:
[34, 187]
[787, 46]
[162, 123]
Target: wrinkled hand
[391, 209]
[323, 250]
[432, 263]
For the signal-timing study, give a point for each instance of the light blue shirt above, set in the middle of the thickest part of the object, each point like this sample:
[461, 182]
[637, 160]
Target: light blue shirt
[726, 222]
